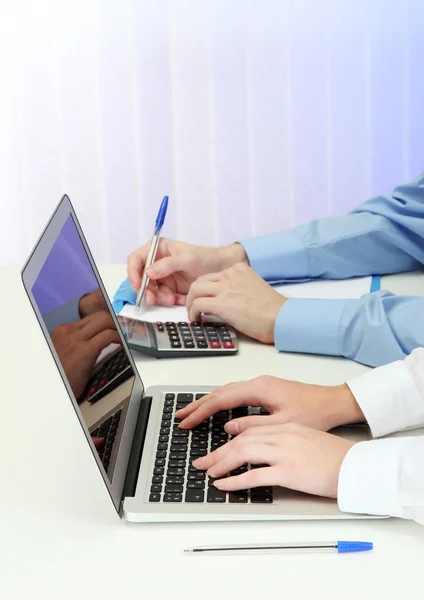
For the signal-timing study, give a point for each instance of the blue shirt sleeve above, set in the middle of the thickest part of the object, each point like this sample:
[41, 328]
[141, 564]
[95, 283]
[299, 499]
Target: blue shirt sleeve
[374, 330]
[383, 235]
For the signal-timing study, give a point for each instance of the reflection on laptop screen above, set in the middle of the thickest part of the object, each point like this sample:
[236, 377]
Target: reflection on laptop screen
[85, 338]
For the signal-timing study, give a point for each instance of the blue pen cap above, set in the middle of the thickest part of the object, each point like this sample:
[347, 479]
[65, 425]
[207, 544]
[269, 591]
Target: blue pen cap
[354, 546]
[160, 219]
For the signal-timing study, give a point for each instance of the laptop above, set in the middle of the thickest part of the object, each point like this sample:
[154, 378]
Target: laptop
[145, 460]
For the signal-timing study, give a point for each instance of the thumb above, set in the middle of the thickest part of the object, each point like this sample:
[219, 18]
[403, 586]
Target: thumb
[169, 265]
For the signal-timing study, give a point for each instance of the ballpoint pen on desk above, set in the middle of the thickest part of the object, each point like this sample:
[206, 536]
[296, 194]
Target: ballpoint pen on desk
[160, 219]
[340, 547]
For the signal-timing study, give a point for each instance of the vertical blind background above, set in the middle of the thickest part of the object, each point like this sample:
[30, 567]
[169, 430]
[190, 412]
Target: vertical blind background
[253, 115]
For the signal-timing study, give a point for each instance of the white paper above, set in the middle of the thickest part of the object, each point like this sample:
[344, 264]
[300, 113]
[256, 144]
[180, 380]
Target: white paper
[340, 289]
[343, 289]
[154, 314]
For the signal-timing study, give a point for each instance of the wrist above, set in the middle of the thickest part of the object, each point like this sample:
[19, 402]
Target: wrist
[344, 408]
[233, 254]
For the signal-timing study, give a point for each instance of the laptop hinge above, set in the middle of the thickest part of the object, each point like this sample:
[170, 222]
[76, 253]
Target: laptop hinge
[137, 448]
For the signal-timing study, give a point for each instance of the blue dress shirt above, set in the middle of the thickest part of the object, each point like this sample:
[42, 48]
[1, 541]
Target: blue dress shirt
[383, 235]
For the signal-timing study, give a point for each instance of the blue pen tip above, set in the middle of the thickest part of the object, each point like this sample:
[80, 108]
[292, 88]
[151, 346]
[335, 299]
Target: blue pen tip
[354, 546]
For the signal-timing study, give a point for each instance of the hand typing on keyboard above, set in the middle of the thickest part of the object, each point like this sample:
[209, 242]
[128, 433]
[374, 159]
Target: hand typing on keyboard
[78, 345]
[295, 457]
[320, 407]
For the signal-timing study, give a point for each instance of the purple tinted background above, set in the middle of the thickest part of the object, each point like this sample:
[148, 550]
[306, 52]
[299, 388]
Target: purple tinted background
[66, 274]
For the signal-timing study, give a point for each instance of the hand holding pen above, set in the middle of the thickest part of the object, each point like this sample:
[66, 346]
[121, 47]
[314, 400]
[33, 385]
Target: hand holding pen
[152, 251]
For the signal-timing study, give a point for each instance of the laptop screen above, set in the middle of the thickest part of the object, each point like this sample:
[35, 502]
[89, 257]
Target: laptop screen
[80, 328]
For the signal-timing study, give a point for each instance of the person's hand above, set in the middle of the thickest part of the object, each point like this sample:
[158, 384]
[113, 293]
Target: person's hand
[241, 298]
[91, 303]
[79, 344]
[176, 266]
[321, 407]
[299, 458]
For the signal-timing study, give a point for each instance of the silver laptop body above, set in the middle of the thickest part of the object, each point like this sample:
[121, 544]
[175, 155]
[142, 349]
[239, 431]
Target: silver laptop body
[147, 477]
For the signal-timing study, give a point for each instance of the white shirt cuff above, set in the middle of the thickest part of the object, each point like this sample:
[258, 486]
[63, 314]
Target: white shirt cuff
[369, 478]
[389, 399]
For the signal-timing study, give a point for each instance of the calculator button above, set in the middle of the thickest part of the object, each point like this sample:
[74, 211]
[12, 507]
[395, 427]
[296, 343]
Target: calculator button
[201, 344]
[175, 344]
[195, 324]
[188, 344]
[215, 344]
[228, 344]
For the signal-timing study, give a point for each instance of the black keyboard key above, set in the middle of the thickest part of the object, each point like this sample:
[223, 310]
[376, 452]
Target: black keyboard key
[203, 427]
[195, 484]
[192, 469]
[173, 498]
[199, 475]
[175, 488]
[162, 446]
[168, 403]
[199, 435]
[185, 398]
[241, 411]
[164, 431]
[166, 422]
[196, 452]
[105, 426]
[261, 499]
[194, 495]
[215, 495]
[158, 471]
[168, 410]
[178, 441]
[157, 479]
[177, 455]
[174, 464]
[178, 448]
[199, 444]
[154, 498]
[179, 433]
[159, 462]
[163, 439]
[175, 471]
[176, 480]
[238, 497]
[169, 396]
[156, 488]
[263, 411]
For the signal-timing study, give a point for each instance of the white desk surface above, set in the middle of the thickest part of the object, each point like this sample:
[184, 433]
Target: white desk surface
[60, 537]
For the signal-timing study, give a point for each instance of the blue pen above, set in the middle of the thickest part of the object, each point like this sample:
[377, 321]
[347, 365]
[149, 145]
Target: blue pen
[160, 219]
[340, 547]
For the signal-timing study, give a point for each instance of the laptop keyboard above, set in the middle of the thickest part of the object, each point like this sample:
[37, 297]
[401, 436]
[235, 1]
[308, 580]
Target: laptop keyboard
[107, 430]
[174, 477]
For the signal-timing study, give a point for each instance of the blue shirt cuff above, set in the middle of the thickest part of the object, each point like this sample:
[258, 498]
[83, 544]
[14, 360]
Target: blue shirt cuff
[277, 256]
[309, 325]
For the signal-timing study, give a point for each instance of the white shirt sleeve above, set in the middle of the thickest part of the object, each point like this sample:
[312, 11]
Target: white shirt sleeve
[386, 477]
[392, 397]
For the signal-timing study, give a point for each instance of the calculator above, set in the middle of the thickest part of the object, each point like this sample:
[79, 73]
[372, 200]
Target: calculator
[175, 340]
